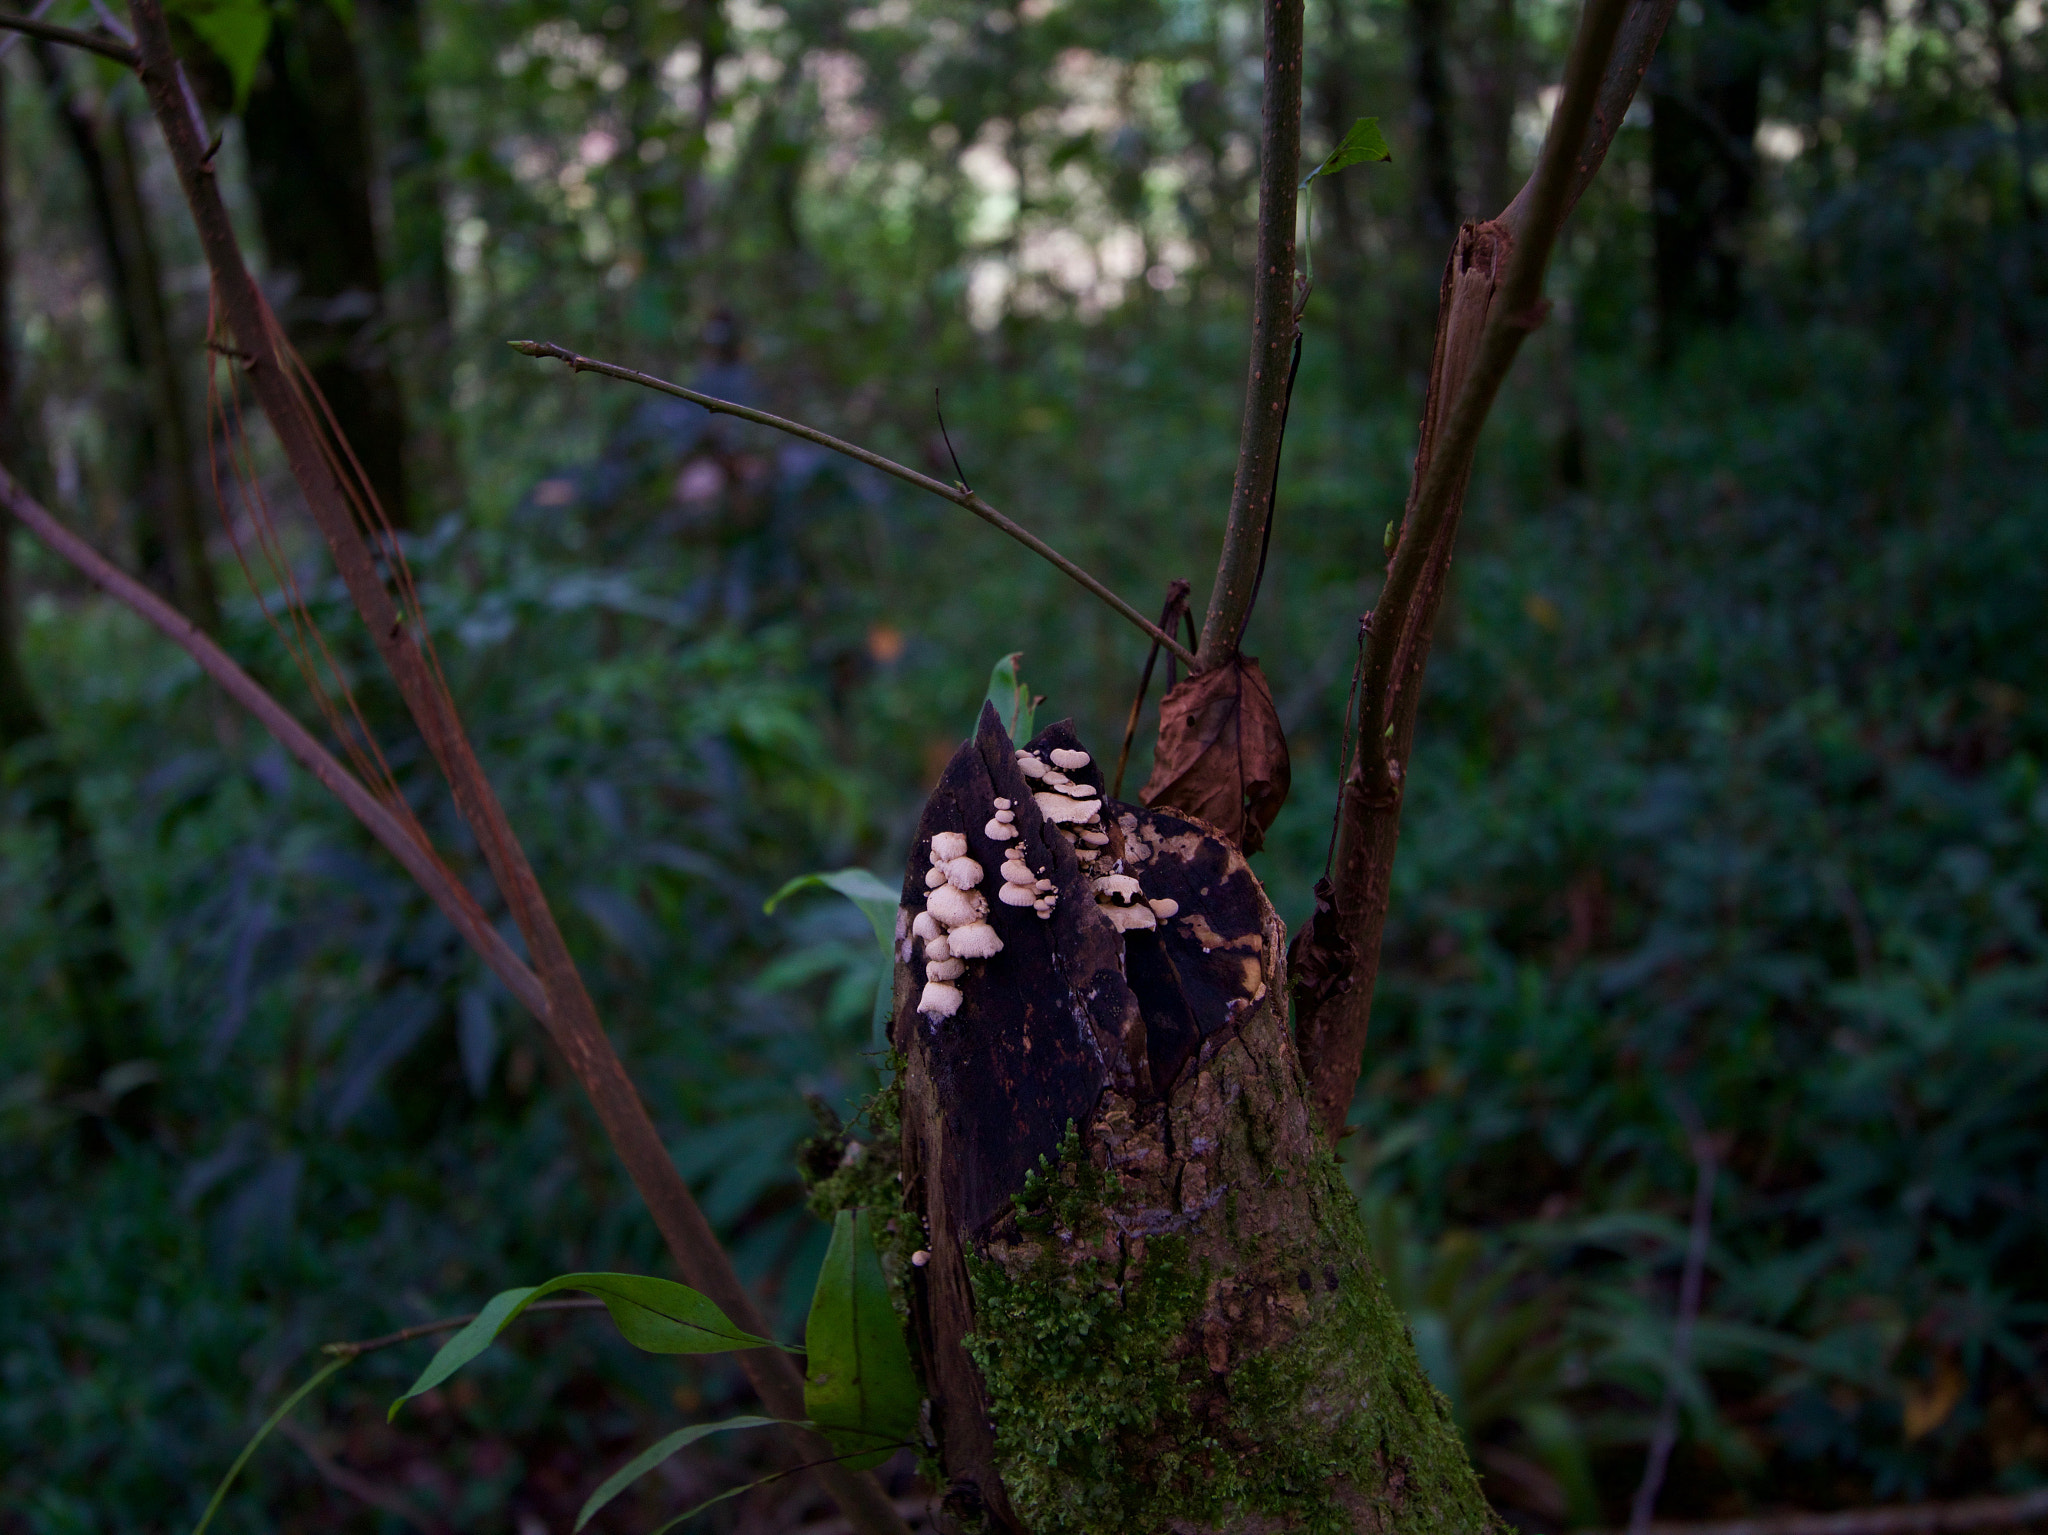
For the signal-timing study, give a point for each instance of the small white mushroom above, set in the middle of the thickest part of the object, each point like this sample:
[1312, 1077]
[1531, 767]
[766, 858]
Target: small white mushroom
[1062, 757]
[963, 873]
[1074, 789]
[926, 926]
[1000, 803]
[955, 908]
[1164, 907]
[1095, 838]
[977, 940]
[1030, 766]
[1016, 872]
[1042, 885]
[1058, 809]
[999, 831]
[944, 969]
[1016, 895]
[1056, 778]
[1006, 815]
[937, 948]
[948, 845]
[1121, 886]
[934, 877]
[1125, 918]
[920, 1258]
[939, 1000]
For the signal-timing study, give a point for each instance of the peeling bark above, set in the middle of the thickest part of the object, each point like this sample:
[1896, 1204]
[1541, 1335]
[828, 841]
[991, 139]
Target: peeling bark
[1141, 1297]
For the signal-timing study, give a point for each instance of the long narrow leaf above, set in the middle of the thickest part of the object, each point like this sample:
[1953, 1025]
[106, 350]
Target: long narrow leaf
[321, 1377]
[860, 1389]
[654, 1455]
[657, 1315]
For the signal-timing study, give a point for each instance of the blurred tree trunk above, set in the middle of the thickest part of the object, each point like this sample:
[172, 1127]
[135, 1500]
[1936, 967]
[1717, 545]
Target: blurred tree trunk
[171, 527]
[421, 297]
[1493, 109]
[308, 134]
[1436, 207]
[1704, 97]
[93, 966]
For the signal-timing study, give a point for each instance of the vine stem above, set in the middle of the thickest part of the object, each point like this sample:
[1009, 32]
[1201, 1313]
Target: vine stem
[959, 494]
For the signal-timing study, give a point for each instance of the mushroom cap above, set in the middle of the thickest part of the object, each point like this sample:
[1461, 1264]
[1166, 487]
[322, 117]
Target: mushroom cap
[1166, 906]
[1016, 871]
[937, 948]
[1126, 918]
[963, 873]
[1095, 838]
[1016, 895]
[939, 1000]
[926, 926]
[1000, 803]
[1005, 814]
[1066, 758]
[955, 908]
[977, 940]
[1057, 808]
[999, 831]
[944, 969]
[1119, 885]
[1076, 790]
[934, 877]
[1030, 766]
[948, 845]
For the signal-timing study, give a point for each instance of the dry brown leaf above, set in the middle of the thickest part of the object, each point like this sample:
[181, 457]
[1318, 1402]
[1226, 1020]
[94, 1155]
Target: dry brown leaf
[1221, 755]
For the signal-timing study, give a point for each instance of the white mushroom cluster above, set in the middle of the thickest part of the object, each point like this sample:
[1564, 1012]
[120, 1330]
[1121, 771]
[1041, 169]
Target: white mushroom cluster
[1022, 885]
[953, 924]
[1075, 808]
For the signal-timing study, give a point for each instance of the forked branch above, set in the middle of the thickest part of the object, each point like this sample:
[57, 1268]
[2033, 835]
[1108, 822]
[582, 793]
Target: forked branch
[959, 495]
[103, 44]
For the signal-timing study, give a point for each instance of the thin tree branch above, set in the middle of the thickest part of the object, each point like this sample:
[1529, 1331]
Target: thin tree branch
[2007, 1513]
[1491, 300]
[959, 496]
[341, 504]
[445, 1324]
[1176, 601]
[1274, 324]
[419, 861]
[93, 42]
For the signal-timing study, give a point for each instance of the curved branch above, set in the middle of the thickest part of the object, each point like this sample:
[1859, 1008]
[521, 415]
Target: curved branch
[959, 496]
[419, 860]
[92, 42]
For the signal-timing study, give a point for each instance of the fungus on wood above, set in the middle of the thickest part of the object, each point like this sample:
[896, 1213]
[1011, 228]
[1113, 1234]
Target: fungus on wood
[1140, 1297]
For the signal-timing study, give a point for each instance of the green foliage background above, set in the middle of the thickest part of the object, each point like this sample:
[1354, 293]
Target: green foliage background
[1728, 803]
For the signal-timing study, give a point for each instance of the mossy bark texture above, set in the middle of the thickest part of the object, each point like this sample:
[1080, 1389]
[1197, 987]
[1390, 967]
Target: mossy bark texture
[1141, 1298]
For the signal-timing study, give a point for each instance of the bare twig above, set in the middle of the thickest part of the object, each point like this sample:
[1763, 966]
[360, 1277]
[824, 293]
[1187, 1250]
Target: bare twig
[445, 1324]
[1176, 604]
[960, 496]
[1273, 332]
[2007, 1513]
[7, 43]
[1664, 1438]
[93, 42]
[338, 497]
[398, 838]
[1491, 299]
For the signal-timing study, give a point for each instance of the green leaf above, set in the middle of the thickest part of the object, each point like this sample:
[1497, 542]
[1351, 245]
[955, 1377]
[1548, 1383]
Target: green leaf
[867, 892]
[1014, 704]
[654, 1455]
[1364, 142]
[657, 1315]
[236, 30]
[859, 1387]
[320, 1378]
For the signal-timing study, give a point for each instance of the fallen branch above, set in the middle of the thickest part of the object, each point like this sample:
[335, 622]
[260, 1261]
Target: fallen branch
[2007, 1513]
[959, 495]
[92, 42]
[1491, 299]
[399, 838]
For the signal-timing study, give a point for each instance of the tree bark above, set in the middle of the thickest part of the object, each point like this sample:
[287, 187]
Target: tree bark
[1136, 1281]
[308, 134]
